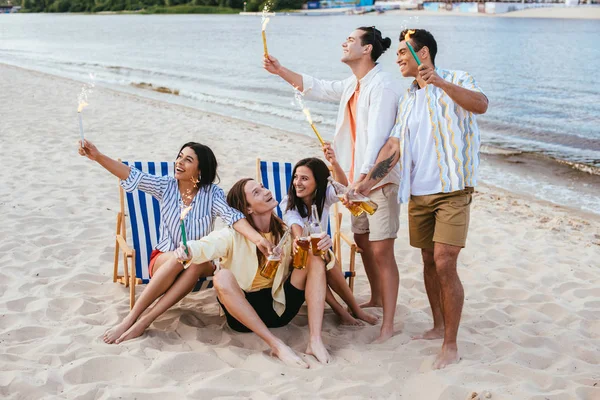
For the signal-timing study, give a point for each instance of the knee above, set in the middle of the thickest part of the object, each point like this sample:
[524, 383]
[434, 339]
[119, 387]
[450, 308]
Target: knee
[315, 265]
[445, 264]
[224, 282]
[428, 260]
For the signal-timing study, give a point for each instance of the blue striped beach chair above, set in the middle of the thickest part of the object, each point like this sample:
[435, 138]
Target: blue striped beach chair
[142, 213]
[277, 177]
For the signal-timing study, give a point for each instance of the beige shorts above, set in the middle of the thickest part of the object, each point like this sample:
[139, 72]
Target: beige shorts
[385, 222]
[440, 217]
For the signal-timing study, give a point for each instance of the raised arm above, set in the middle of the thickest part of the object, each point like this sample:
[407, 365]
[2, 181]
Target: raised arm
[115, 167]
[310, 87]
[466, 94]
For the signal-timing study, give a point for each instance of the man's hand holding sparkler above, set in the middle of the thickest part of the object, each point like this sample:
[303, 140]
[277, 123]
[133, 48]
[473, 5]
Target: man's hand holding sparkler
[272, 65]
[428, 74]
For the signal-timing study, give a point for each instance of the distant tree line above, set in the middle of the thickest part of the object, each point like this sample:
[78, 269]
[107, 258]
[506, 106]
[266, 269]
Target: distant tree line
[158, 6]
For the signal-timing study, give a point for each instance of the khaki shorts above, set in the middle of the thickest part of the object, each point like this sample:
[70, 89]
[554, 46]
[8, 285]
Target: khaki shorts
[385, 222]
[440, 217]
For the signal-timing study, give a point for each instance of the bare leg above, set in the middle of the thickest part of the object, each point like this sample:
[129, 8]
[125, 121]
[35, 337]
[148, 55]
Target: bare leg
[389, 280]
[432, 286]
[166, 270]
[183, 285]
[453, 296]
[316, 285]
[345, 317]
[335, 279]
[371, 270]
[234, 300]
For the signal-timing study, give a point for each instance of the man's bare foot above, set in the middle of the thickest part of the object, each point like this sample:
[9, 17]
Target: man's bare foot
[371, 303]
[367, 317]
[432, 334]
[111, 335]
[384, 335]
[448, 355]
[136, 330]
[287, 355]
[317, 348]
[347, 319]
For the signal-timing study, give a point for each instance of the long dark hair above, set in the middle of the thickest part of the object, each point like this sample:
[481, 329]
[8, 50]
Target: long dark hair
[373, 37]
[207, 163]
[320, 172]
[236, 198]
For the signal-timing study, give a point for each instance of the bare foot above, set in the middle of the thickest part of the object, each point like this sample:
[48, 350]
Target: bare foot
[367, 317]
[384, 335]
[371, 303]
[347, 319]
[111, 335]
[287, 355]
[448, 355]
[135, 331]
[317, 348]
[432, 334]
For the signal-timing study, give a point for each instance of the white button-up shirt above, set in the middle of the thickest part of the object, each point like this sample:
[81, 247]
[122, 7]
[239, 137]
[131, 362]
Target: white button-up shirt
[375, 116]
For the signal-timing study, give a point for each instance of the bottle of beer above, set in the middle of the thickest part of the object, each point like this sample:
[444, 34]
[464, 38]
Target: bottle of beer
[270, 268]
[359, 204]
[315, 231]
[303, 243]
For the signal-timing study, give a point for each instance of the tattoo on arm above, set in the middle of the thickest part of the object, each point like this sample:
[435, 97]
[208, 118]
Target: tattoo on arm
[381, 170]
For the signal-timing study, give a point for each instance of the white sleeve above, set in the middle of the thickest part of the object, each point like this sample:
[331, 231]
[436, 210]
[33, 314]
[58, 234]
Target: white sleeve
[331, 196]
[316, 89]
[213, 246]
[292, 216]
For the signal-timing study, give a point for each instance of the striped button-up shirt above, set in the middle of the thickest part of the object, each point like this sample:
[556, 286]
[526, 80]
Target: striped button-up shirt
[208, 203]
[454, 130]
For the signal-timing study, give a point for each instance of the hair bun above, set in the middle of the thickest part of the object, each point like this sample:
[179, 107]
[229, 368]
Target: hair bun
[386, 43]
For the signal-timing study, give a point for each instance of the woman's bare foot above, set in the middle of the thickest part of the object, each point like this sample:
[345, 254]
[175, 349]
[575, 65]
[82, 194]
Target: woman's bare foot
[384, 335]
[112, 334]
[367, 317]
[371, 303]
[448, 355]
[432, 334]
[317, 349]
[287, 355]
[135, 331]
[347, 319]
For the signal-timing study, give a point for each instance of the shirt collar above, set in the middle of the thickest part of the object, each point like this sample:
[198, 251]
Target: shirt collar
[370, 75]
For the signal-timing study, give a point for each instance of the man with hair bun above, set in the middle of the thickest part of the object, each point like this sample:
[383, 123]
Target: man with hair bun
[368, 105]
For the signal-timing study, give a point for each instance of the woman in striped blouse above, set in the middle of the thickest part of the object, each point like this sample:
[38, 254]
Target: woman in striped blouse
[193, 187]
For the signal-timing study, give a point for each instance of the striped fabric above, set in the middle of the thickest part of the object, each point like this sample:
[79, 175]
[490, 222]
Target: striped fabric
[144, 214]
[455, 132]
[277, 177]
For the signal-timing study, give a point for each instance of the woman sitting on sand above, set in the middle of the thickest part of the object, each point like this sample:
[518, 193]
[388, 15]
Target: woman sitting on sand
[310, 186]
[252, 302]
[192, 186]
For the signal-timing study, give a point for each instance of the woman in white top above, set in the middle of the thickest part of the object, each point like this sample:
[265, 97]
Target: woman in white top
[192, 186]
[255, 303]
[310, 186]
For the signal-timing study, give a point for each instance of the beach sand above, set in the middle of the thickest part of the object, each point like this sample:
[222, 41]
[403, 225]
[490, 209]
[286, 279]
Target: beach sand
[530, 326]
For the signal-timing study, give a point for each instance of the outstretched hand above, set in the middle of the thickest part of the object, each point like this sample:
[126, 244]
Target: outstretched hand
[271, 64]
[88, 149]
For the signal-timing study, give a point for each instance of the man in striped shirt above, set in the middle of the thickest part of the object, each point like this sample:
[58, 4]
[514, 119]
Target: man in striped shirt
[436, 142]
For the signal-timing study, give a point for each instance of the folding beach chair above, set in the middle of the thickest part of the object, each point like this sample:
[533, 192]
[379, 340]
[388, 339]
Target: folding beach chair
[277, 177]
[143, 217]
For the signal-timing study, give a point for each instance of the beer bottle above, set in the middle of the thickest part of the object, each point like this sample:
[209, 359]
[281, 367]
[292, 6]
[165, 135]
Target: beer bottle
[303, 247]
[272, 264]
[315, 231]
[360, 203]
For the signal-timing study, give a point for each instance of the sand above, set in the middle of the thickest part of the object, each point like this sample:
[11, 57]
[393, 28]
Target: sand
[530, 327]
